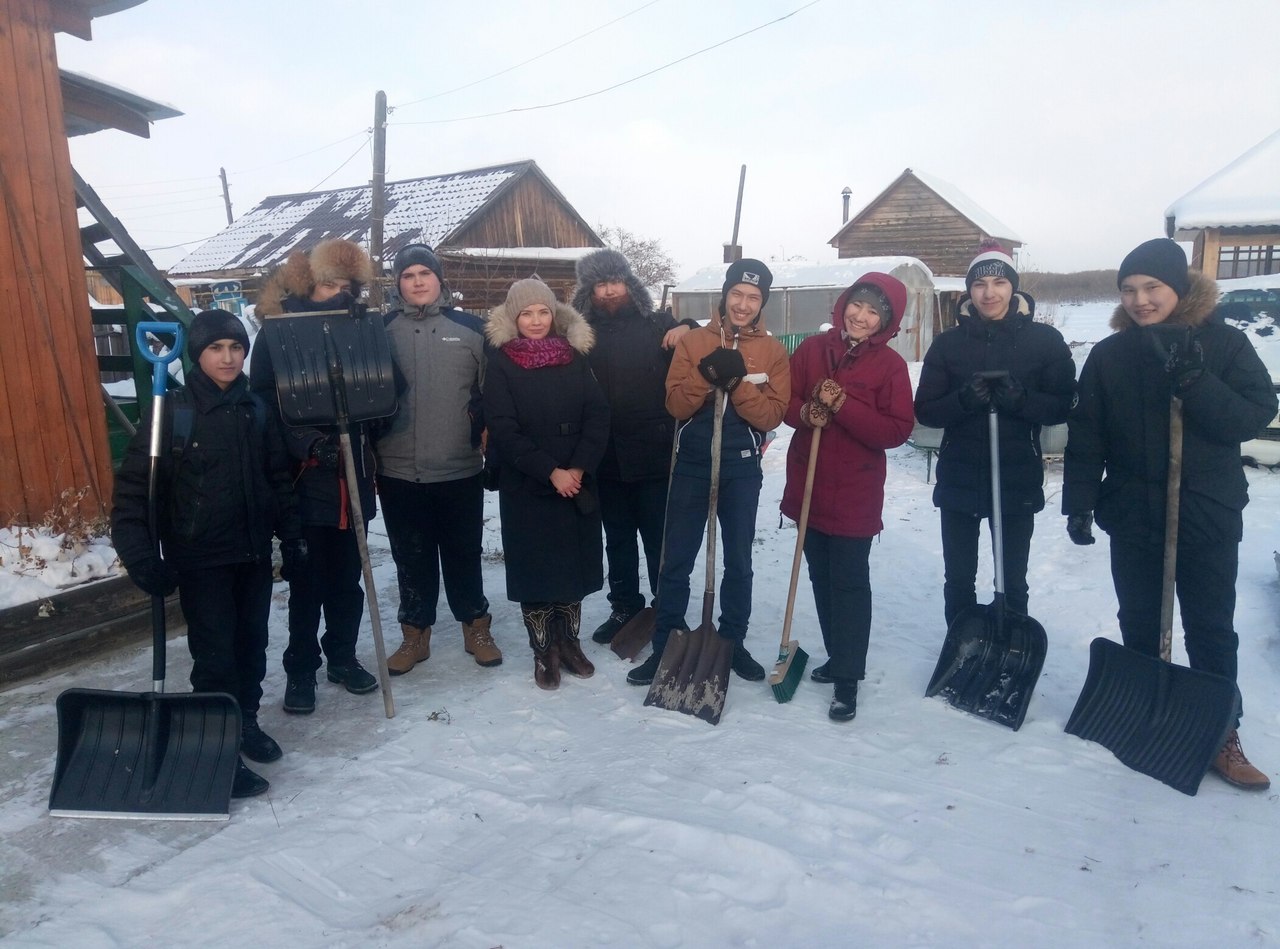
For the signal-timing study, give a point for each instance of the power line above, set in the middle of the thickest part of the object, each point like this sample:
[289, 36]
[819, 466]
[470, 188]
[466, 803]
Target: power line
[503, 72]
[616, 85]
[359, 149]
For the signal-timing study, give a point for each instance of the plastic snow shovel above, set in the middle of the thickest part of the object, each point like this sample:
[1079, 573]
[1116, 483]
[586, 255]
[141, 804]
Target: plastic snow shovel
[637, 632]
[147, 754]
[693, 676]
[785, 675]
[992, 656]
[1163, 720]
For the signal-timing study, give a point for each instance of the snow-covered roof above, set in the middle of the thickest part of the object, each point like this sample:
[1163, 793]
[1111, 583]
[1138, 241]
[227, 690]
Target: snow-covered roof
[1246, 193]
[419, 210]
[840, 273]
[986, 222]
[1259, 282]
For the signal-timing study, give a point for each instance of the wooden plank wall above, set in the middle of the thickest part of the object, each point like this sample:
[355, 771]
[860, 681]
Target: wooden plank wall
[526, 215]
[911, 220]
[483, 281]
[52, 424]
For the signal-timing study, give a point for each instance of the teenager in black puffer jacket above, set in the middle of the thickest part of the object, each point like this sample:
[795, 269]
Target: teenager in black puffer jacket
[996, 331]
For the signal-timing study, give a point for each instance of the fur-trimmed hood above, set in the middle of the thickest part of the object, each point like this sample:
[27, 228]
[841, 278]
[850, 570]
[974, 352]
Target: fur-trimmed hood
[603, 265]
[500, 328]
[894, 291]
[1192, 310]
[334, 259]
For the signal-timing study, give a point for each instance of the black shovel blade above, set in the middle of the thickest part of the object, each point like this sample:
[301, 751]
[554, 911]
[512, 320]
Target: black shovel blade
[145, 755]
[1163, 720]
[635, 634]
[989, 665]
[693, 675]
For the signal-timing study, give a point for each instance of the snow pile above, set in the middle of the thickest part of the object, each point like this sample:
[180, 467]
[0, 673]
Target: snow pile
[36, 562]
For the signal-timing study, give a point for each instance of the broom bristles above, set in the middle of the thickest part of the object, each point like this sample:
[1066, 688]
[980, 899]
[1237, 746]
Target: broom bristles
[787, 672]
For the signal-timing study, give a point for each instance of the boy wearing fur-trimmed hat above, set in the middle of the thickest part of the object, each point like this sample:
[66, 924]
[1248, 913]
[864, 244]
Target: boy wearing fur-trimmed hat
[329, 279]
[630, 359]
[1170, 340]
[430, 461]
[223, 487]
[995, 329]
[734, 354]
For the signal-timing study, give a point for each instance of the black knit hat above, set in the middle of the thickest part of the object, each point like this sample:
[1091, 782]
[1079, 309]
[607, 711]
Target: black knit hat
[1160, 258]
[748, 271]
[210, 326]
[992, 261]
[412, 254]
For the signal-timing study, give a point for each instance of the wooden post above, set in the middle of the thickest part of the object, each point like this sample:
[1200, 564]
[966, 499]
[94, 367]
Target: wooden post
[226, 194]
[379, 198]
[732, 250]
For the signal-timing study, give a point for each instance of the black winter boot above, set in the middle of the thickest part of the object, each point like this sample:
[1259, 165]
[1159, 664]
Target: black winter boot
[609, 628]
[822, 673]
[644, 673]
[248, 783]
[844, 704]
[567, 625]
[745, 666]
[356, 678]
[255, 744]
[545, 645]
[300, 694]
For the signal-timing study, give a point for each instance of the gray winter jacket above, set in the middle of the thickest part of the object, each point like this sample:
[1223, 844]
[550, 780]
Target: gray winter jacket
[435, 433]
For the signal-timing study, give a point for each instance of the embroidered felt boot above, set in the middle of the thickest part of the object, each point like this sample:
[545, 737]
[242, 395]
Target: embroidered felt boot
[568, 627]
[545, 646]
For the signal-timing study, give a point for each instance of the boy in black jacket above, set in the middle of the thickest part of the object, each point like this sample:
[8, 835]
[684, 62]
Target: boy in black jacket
[223, 488]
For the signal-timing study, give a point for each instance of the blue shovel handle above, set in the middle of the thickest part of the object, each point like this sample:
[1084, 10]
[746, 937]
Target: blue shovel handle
[160, 363]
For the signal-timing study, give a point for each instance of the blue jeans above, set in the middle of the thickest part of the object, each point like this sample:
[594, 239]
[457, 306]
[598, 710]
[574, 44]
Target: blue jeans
[687, 505]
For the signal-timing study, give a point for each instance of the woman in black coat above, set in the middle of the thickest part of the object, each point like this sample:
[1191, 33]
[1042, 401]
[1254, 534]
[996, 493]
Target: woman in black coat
[996, 331]
[548, 426]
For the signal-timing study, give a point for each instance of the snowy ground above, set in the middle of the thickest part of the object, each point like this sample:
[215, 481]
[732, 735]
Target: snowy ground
[488, 813]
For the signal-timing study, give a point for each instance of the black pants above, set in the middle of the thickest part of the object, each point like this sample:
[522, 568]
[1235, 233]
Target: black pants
[628, 508]
[960, 560]
[1205, 585]
[841, 578]
[226, 609]
[686, 526]
[436, 529]
[330, 585]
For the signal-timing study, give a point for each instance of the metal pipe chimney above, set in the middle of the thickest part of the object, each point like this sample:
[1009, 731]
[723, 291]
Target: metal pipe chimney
[844, 197]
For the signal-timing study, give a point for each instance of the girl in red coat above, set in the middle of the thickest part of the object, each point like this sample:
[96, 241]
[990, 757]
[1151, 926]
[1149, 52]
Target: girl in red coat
[850, 383]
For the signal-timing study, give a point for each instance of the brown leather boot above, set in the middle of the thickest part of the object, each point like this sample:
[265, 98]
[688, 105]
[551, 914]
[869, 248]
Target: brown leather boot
[416, 648]
[567, 625]
[546, 649]
[1235, 768]
[478, 642]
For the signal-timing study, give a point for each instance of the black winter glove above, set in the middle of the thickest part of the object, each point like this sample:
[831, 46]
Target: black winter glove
[723, 368]
[976, 395]
[327, 452]
[1080, 528]
[1009, 395]
[153, 576]
[294, 555]
[1180, 352]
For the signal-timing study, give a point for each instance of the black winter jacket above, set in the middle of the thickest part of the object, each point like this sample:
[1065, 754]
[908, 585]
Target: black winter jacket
[221, 491]
[1117, 455]
[1036, 355]
[631, 366]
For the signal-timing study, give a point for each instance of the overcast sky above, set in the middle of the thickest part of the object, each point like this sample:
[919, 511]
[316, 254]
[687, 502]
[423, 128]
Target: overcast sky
[1076, 124]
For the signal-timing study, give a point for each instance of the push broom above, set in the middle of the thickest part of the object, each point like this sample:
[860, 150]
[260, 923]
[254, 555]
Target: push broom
[788, 670]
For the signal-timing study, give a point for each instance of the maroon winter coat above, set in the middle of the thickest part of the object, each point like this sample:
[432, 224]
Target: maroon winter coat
[848, 487]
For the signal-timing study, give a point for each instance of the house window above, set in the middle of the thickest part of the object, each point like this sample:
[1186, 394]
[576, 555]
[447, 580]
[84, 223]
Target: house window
[1248, 261]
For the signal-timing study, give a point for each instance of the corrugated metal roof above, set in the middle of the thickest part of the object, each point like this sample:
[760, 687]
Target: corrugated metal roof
[425, 210]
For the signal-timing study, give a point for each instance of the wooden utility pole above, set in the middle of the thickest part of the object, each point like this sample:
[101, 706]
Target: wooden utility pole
[379, 199]
[733, 250]
[226, 193]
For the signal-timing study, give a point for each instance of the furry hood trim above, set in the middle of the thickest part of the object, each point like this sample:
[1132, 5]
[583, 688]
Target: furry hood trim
[1192, 310]
[334, 259]
[604, 265]
[500, 328]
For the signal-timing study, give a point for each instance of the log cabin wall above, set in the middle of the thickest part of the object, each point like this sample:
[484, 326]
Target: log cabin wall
[911, 220]
[53, 434]
[528, 214]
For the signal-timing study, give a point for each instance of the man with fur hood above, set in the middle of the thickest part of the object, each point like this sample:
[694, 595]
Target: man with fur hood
[329, 278]
[734, 354]
[1170, 340]
[996, 330]
[430, 462]
[630, 360]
